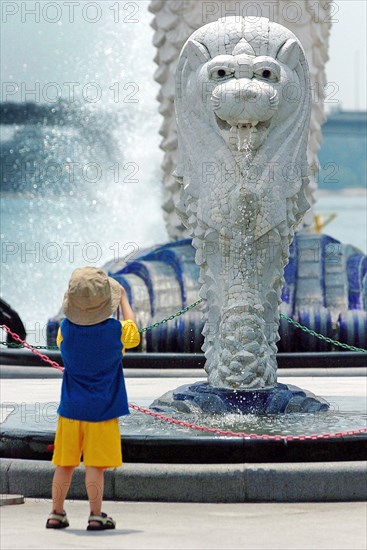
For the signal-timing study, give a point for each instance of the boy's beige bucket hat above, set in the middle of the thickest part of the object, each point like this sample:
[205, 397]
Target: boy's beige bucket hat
[92, 296]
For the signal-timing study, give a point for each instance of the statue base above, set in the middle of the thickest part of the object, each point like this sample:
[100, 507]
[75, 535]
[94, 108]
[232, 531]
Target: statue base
[201, 397]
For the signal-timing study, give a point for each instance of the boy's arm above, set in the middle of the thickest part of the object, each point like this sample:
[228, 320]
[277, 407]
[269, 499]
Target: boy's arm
[127, 312]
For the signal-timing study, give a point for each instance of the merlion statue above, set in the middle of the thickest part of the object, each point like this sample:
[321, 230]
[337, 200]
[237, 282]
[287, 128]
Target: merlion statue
[243, 111]
[175, 20]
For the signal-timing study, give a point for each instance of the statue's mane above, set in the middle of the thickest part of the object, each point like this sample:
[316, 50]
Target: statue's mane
[210, 172]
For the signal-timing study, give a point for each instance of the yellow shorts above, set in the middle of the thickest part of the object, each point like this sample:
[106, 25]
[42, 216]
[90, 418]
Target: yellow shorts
[98, 442]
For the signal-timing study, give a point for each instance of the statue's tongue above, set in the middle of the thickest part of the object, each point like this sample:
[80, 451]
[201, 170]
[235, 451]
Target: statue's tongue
[239, 136]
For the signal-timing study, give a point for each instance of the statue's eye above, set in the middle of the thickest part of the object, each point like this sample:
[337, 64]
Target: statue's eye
[267, 73]
[266, 69]
[221, 72]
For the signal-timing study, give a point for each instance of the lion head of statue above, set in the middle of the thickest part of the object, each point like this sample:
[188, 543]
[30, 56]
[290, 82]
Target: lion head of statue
[243, 107]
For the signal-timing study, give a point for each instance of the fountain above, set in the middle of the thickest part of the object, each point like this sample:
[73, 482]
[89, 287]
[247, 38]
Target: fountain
[240, 134]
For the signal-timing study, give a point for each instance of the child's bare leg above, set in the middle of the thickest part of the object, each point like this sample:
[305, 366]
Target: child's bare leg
[60, 486]
[94, 482]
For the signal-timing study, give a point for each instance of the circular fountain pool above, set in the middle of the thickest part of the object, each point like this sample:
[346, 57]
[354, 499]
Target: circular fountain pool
[28, 431]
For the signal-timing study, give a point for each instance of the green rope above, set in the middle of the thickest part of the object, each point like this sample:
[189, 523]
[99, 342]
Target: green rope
[181, 312]
[320, 336]
[191, 306]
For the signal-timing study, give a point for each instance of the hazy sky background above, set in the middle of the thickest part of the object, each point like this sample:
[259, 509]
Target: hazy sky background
[347, 64]
[62, 51]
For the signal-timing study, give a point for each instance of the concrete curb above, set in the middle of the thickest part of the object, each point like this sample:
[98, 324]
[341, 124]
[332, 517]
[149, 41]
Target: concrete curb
[230, 483]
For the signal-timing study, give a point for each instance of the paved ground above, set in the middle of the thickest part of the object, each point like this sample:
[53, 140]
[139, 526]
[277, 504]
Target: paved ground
[160, 526]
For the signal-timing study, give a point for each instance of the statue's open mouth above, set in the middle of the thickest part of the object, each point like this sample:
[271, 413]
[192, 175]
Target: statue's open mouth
[242, 135]
[224, 125]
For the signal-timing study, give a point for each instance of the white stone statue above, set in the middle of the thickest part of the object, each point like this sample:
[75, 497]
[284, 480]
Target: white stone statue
[175, 20]
[243, 104]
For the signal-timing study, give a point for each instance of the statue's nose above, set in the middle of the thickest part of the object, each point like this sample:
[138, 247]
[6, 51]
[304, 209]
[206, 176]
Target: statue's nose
[249, 94]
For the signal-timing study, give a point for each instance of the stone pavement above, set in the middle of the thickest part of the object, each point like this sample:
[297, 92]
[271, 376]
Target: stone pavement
[160, 526]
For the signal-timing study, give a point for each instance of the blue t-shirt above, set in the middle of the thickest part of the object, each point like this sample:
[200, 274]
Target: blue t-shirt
[93, 387]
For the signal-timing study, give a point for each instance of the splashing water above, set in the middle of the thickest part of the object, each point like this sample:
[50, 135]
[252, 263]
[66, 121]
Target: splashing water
[108, 201]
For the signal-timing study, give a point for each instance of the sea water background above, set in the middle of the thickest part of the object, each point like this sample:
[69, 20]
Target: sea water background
[45, 237]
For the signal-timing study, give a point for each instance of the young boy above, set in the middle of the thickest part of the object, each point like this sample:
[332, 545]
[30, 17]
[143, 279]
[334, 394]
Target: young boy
[93, 393]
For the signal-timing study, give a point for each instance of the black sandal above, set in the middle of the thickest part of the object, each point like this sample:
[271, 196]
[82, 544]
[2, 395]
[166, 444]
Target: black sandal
[62, 521]
[104, 522]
